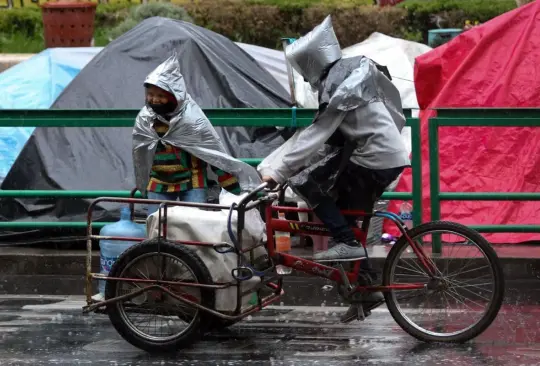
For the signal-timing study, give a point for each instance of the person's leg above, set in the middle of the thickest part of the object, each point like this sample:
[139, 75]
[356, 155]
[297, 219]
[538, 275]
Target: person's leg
[173, 196]
[197, 195]
[346, 246]
[375, 183]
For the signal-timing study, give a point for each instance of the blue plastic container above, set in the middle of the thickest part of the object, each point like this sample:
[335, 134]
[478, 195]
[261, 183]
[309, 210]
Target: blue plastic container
[110, 250]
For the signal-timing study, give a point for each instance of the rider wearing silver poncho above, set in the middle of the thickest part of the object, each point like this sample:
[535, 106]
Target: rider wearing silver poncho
[188, 130]
[353, 149]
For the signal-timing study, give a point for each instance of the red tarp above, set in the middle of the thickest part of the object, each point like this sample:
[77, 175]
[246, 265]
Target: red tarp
[496, 64]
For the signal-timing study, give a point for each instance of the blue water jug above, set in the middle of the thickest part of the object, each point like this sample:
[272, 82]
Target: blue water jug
[110, 250]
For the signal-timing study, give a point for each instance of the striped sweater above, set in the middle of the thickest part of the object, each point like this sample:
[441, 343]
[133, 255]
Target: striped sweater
[175, 170]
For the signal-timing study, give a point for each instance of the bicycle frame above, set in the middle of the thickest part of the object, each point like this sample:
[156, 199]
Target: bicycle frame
[272, 224]
[311, 228]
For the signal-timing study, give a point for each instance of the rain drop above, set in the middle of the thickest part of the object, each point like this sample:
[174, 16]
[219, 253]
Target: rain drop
[327, 288]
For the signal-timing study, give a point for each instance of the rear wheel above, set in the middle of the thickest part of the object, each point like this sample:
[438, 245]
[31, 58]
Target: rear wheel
[171, 323]
[467, 284]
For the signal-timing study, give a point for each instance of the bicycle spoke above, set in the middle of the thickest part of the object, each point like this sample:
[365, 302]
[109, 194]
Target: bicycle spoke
[459, 286]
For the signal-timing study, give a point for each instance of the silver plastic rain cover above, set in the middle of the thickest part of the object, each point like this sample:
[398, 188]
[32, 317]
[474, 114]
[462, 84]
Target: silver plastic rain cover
[312, 54]
[323, 155]
[358, 81]
[189, 130]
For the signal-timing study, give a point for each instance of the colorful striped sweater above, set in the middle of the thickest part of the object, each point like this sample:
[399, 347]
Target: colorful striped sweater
[175, 170]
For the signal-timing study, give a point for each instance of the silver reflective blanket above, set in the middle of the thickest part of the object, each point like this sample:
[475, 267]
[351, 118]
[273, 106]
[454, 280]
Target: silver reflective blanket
[189, 130]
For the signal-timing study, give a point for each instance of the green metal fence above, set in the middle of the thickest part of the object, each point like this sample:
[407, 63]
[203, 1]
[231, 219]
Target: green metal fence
[246, 117]
[477, 118]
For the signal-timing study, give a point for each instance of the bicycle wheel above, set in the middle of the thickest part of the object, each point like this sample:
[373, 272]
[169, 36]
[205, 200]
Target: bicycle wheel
[452, 288]
[168, 315]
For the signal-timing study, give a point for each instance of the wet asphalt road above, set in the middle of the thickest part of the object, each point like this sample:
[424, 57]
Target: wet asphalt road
[51, 331]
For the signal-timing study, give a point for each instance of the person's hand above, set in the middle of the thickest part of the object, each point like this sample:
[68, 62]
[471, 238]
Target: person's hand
[271, 182]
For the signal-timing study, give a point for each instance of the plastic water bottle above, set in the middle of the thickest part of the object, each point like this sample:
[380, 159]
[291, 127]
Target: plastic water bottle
[110, 250]
[283, 245]
[405, 212]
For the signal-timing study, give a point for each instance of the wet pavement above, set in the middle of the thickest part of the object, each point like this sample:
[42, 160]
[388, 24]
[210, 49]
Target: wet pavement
[41, 330]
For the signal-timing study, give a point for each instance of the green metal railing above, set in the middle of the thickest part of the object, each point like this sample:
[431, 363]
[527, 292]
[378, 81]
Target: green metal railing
[477, 118]
[248, 117]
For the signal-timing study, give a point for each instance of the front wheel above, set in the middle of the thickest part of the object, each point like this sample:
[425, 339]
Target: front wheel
[156, 321]
[468, 282]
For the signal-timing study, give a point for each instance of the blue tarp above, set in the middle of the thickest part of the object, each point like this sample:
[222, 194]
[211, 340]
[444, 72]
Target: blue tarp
[35, 84]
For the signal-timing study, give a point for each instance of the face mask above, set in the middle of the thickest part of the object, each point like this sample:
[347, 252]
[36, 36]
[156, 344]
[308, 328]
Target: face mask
[163, 109]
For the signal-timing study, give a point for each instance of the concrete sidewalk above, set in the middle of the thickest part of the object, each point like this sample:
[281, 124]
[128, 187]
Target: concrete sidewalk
[61, 272]
[8, 60]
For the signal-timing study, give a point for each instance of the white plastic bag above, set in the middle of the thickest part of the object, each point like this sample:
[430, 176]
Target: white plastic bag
[193, 224]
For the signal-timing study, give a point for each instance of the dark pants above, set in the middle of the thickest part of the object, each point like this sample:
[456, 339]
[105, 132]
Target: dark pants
[359, 188]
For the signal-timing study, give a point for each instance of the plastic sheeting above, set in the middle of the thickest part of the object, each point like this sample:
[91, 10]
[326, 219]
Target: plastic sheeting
[396, 54]
[35, 84]
[358, 103]
[218, 74]
[189, 130]
[492, 65]
[192, 224]
[312, 54]
[272, 60]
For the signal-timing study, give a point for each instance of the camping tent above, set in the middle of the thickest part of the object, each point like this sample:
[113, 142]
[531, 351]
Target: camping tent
[35, 84]
[272, 60]
[492, 65]
[218, 74]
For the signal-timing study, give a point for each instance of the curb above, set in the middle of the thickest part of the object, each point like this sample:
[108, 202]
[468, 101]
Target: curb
[11, 59]
[29, 271]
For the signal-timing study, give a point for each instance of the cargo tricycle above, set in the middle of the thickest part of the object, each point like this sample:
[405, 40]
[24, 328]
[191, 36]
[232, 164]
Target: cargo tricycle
[160, 295]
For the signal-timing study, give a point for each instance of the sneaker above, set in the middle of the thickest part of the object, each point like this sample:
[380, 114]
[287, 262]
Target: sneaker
[370, 302]
[341, 252]
[98, 297]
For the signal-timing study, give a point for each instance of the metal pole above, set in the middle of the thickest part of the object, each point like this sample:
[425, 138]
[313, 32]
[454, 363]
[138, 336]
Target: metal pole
[434, 183]
[285, 42]
[416, 164]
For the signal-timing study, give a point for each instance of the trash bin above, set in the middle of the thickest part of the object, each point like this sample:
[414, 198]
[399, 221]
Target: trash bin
[438, 37]
[68, 23]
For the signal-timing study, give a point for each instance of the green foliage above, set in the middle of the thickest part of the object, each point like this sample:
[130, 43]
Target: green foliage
[264, 25]
[20, 43]
[139, 13]
[110, 15]
[308, 3]
[26, 22]
[264, 22]
[429, 14]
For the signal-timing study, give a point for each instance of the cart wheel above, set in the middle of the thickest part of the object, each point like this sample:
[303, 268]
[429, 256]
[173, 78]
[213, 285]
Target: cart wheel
[468, 283]
[170, 324]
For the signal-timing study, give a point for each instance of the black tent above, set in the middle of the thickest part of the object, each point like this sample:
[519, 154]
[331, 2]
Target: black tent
[218, 74]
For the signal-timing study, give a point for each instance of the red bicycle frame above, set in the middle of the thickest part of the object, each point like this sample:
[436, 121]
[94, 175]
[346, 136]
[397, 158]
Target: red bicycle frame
[320, 270]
